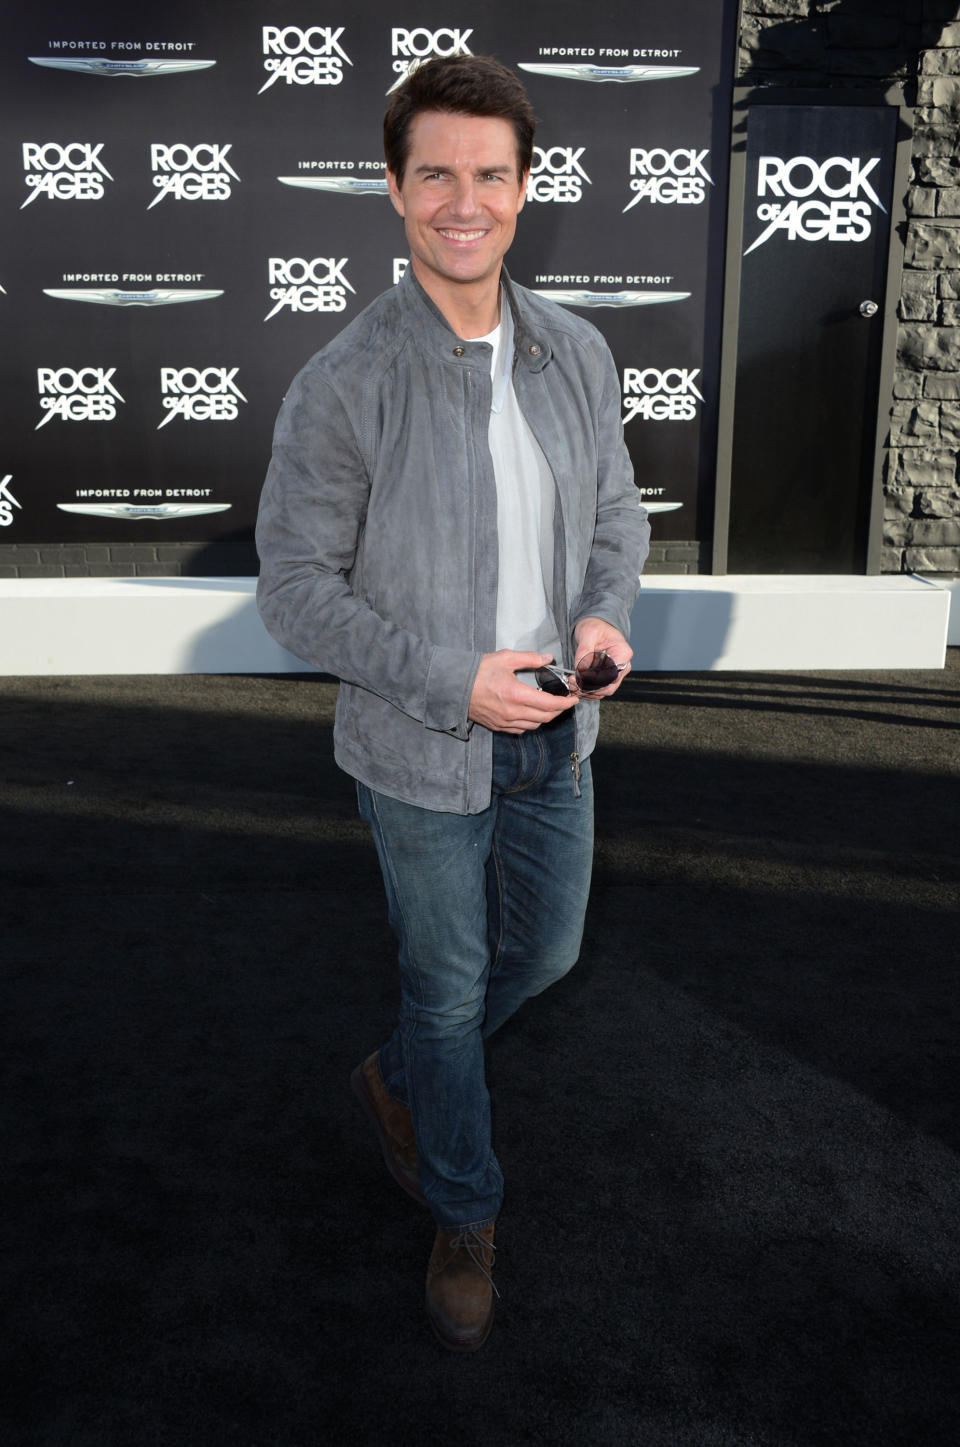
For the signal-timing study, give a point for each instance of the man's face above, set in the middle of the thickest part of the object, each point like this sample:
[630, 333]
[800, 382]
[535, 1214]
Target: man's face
[460, 198]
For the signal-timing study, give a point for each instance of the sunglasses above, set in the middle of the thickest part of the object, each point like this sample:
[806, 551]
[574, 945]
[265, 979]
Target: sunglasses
[592, 672]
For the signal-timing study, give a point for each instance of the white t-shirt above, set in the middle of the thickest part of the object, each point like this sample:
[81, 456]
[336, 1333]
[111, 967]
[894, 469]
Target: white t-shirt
[526, 498]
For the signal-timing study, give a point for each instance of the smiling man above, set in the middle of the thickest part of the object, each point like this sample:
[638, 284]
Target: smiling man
[460, 191]
[450, 508]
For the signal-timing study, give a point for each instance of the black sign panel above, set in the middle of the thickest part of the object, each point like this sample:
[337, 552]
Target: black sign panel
[813, 278]
[194, 203]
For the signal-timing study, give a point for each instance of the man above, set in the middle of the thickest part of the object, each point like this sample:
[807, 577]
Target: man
[449, 507]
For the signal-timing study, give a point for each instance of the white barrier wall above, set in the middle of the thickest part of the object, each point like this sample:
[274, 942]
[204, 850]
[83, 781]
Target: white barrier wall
[211, 625]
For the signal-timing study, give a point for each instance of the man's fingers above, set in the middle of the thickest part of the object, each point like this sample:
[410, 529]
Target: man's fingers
[501, 700]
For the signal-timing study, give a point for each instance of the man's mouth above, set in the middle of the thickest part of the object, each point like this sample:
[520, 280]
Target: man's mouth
[461, 235]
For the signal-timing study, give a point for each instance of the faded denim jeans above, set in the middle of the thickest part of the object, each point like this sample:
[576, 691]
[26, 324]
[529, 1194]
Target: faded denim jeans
[488, 910]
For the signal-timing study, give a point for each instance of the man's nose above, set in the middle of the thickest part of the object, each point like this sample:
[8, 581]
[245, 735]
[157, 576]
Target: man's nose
[464, 198]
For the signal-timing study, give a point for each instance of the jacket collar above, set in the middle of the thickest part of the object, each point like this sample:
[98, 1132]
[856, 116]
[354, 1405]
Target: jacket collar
[531, 349]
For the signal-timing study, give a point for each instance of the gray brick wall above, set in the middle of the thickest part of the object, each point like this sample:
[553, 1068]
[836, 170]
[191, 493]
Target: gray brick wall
[916, 43]
[677, 558]
[222, 560]
[228, 559]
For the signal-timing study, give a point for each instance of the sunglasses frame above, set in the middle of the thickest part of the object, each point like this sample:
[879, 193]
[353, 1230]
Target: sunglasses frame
[561, 674]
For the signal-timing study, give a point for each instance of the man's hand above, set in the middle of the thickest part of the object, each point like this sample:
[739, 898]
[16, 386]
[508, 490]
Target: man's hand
[501, 701]
[592, 634]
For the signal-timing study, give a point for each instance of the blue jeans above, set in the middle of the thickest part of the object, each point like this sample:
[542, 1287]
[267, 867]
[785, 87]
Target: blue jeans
[488, 910]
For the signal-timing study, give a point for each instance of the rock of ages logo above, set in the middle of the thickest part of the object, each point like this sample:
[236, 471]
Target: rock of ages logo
[410, 47]
[200, 172]
[557, 174]
[313, 56]
[200, 394]
[661, 394]
[676, 177]
[77, 394]
[71, 172]
[7, 501]
[810, 200]
[318, 285]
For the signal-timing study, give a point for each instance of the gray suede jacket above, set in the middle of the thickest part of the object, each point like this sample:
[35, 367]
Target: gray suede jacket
[377, 530]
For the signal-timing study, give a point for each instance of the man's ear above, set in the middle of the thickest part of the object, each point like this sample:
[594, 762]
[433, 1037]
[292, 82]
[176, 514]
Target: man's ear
[394, 191]
[523, 191]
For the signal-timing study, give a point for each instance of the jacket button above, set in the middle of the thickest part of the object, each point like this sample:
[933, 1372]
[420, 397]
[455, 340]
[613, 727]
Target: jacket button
[534, 349]
[458, 351]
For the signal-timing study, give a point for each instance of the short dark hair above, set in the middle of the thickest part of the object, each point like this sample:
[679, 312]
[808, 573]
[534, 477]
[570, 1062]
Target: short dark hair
[461, 85]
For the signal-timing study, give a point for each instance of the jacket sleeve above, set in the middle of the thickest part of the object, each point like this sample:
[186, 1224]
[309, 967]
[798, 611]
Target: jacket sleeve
[310, 595]
[621, 540]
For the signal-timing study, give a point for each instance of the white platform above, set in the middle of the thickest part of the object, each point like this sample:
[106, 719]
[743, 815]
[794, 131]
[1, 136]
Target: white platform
[771, 622]
[210, 625]
[952, 587]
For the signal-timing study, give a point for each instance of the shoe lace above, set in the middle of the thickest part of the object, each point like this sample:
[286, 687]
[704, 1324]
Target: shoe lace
[475, 1245]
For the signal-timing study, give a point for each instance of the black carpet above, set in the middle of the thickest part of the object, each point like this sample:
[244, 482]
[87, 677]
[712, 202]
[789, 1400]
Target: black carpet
[730, 1135]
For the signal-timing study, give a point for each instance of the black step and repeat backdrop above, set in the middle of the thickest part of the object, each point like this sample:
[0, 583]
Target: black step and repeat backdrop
[194, 202]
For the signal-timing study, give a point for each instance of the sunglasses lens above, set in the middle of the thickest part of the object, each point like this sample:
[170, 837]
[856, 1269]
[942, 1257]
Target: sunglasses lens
[550, 683]
[596, 670]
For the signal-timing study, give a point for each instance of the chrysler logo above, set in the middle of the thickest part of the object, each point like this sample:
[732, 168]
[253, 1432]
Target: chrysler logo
[610, 298]
[131, 511]
[111, 296]
[347, 185]
[609, 72]
[96, 65]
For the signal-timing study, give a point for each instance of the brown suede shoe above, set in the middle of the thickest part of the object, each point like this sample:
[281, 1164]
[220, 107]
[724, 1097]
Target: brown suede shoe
[393, 1125]
[460, 1287]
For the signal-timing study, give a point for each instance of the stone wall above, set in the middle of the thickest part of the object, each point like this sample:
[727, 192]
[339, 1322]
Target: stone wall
[914, 43]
